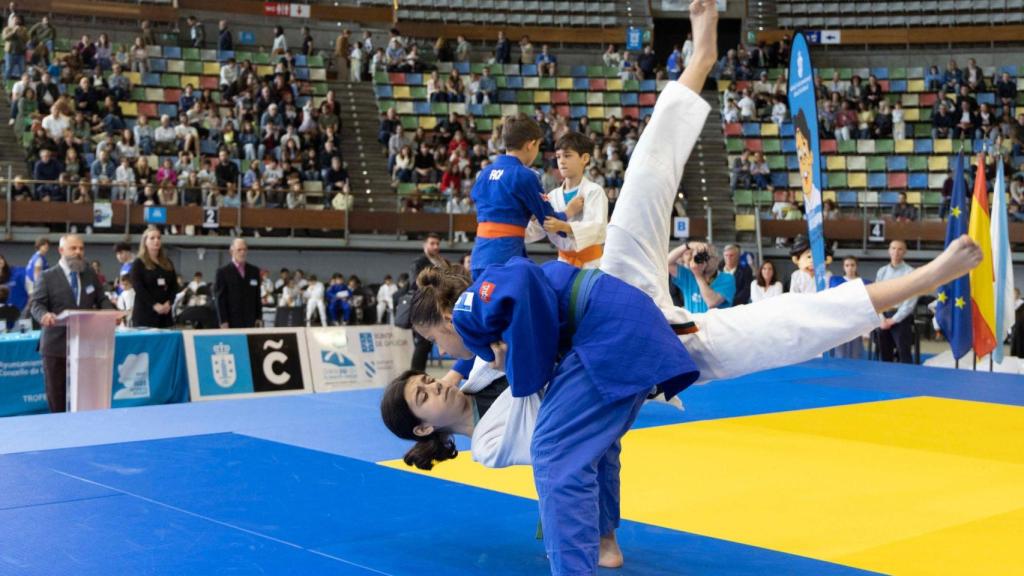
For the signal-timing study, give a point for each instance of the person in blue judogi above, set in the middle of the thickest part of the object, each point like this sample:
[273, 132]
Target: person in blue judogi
[507, 194]
[602, 346]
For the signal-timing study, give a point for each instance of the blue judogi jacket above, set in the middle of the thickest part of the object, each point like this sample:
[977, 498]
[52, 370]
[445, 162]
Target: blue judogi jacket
[507, 192]
[622, 339]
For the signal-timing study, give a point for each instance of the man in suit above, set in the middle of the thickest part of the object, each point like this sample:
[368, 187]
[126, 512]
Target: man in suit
[70, 285]
[742, 274]
[238, 290]
[431, 257]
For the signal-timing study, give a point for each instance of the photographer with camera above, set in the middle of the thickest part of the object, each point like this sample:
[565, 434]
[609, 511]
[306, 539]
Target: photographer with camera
[693, 267]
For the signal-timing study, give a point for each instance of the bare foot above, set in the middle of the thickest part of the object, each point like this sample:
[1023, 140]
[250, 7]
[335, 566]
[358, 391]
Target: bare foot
[609, 554]
[704, 24]
[959, 258]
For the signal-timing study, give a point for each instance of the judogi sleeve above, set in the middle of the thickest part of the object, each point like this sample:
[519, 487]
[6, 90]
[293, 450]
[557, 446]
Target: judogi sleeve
[787, 329]
[515, 304]
[502, 437]
[527, 187]
[593, 226]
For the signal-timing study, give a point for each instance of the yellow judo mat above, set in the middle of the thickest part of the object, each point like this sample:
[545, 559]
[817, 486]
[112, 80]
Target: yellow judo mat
[912, 486]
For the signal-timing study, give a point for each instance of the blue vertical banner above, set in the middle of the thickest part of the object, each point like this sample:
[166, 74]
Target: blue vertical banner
[803, 106]
[634, 39]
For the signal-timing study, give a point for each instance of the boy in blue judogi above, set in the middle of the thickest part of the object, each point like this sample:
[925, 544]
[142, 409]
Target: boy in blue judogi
[508, 193]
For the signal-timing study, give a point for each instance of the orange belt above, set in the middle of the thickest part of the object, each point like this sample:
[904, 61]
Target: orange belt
[499, 230]
[578, 259]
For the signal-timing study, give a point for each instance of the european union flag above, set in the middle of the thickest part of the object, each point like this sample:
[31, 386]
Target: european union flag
[953, 310]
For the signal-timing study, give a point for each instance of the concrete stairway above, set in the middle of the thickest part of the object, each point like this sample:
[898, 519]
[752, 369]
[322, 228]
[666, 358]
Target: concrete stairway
[706, 178]
[11, 151]
[367, 163]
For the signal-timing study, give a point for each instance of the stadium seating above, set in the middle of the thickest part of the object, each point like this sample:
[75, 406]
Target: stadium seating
[596, 92]
[865, 173]
[796, 14]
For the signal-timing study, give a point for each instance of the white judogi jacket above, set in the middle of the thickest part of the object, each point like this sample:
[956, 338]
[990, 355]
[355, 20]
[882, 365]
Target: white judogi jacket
[583, 249]
[729, 342]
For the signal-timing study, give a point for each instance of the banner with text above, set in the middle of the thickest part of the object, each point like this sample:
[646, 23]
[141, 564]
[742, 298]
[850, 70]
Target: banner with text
[803, 107]
[247, 363]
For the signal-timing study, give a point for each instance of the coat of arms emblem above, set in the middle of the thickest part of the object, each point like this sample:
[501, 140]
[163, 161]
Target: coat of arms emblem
[224, 373]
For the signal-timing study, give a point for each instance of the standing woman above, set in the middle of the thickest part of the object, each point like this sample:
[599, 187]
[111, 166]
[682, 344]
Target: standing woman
[766, 284]
[155, 283]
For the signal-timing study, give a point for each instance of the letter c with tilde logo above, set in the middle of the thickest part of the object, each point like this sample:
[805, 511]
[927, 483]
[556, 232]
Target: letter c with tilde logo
[274, 377]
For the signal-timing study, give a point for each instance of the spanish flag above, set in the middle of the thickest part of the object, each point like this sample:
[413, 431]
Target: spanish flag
[983, 309]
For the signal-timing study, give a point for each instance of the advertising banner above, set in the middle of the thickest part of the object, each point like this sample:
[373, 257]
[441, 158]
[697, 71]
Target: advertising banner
[247, 363]
[803, 107]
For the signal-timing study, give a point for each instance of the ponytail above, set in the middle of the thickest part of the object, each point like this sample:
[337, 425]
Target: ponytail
[436, 447]
[436, 294]
[428, 450]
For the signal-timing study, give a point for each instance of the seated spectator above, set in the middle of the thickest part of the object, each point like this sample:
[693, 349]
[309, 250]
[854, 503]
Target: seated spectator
[731, 114]
[254, 197]
[404, 165]
[335, 181]
[226, 170]
[748, 107]
[488, 88]
[855, 91]
[953, 77]
[454, 89]
[903, 212]
[20, 191]
[86, 98]
[387, 126]
[425, 166]
[740, 174]
[899, 125]
[865, 119]
[881, 127]
[185, 136]
[435, 88]
[231, 198]
[139, 57]
[1006, 90]
[124, 181]
[974, 77]
[167, 194]
[102, 174]
[942, 123]
[82, 193]
[46, 172]
[767, 284]
[933, 79]
[166, 173]
[547, 63]
[846, 122]
[165, 140]
[873, 93]
[968, 125]
[779, 110]
[760, 172]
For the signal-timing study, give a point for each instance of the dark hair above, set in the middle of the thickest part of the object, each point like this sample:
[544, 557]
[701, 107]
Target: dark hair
[122, 247]
[435, 447]
[437, 291]
[432, 236]
[760, 276]
[800, 122]
[518, 130]
[42, 241]
[576, 142]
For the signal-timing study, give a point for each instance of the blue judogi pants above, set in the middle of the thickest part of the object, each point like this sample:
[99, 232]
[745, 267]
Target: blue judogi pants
[575, 453]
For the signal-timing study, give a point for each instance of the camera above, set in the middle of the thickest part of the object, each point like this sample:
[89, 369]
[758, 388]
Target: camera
[701, 257]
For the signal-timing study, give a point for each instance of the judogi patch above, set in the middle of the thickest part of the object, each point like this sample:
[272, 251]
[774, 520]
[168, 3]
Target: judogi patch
[486, 291]
[465, 302]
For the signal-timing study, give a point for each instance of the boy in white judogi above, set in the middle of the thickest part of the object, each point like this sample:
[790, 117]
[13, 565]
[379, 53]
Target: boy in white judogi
[580, 240]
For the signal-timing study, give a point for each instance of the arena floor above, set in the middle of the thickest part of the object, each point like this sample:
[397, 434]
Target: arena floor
[830, 467]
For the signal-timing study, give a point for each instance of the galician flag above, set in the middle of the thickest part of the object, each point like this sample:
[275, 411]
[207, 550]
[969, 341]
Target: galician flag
[983, 306]
[1002, 264]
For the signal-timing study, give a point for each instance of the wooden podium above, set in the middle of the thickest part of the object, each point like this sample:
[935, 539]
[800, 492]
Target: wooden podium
[90, 357]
